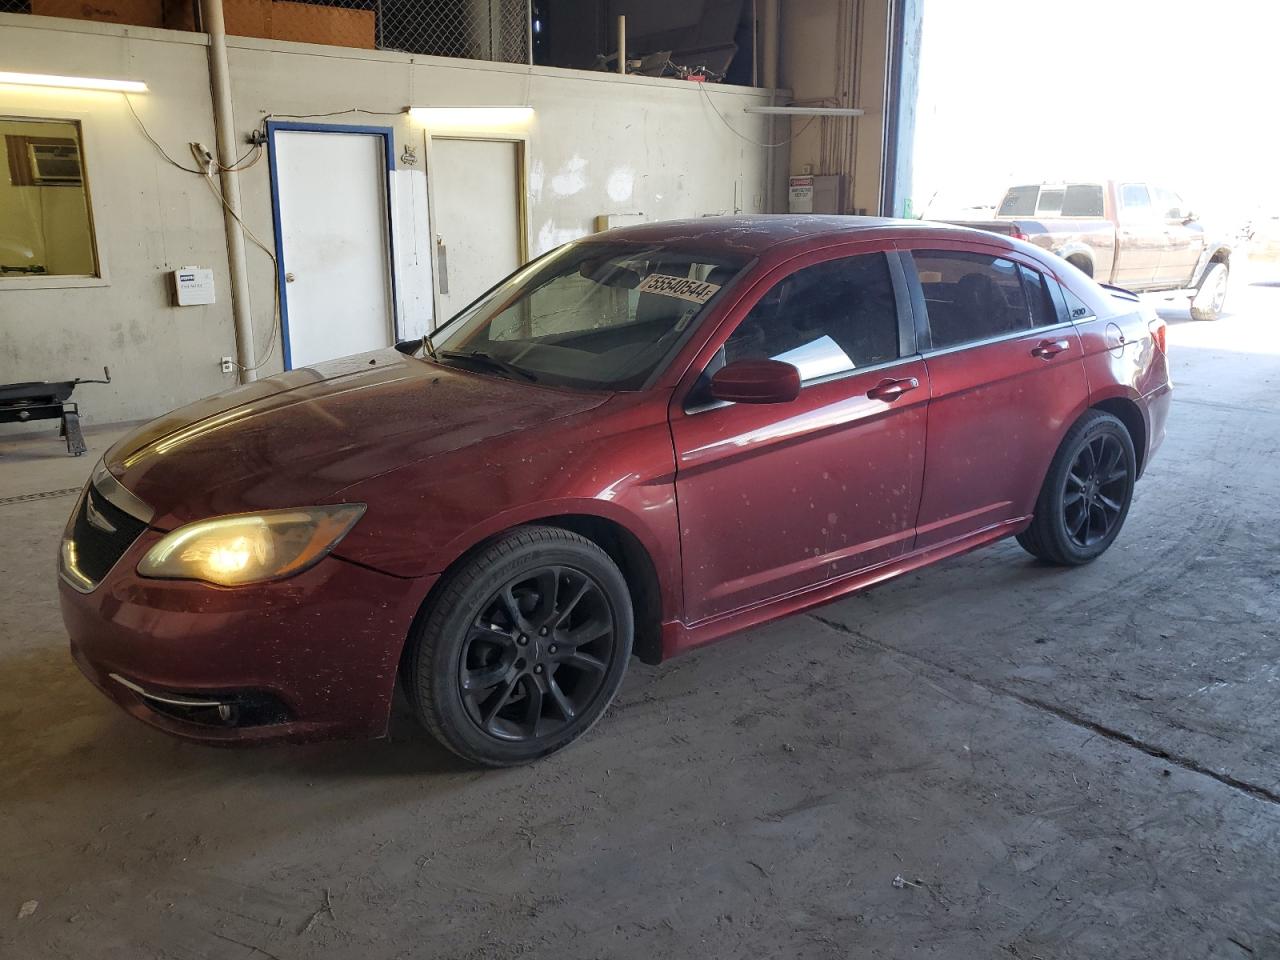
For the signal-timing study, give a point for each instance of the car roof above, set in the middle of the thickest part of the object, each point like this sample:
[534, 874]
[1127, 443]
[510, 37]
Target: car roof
[757, 234]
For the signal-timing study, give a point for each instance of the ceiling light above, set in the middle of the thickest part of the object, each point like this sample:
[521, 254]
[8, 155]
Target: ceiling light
[79, 83]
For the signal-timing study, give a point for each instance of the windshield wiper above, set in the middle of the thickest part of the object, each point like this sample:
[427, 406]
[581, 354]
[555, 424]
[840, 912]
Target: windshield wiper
[483, 359]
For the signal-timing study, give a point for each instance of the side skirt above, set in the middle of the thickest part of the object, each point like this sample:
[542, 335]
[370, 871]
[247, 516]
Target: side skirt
[677, 637]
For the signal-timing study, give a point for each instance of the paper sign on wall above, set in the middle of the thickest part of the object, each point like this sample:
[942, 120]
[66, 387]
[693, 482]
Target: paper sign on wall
[695, 291]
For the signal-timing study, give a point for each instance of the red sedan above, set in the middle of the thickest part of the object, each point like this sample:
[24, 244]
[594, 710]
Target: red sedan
[639, 443]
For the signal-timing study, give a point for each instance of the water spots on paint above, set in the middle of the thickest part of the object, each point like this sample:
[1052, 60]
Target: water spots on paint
[537, 175]
[551, 236]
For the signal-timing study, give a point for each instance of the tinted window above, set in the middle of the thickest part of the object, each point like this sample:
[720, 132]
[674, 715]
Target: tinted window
[828, 318]
[1050, 203]
[1019, 202]
[1082, 200]
[1134, 198]
[1043, 312]
[970, 296]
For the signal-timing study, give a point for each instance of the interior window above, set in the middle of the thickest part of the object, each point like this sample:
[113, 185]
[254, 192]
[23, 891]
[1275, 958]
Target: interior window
[970, 296]
[827, 318]
[44, 212]
[1043, 312]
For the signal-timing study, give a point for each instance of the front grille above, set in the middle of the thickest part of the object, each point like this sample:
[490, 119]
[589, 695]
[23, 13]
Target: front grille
[100, 535]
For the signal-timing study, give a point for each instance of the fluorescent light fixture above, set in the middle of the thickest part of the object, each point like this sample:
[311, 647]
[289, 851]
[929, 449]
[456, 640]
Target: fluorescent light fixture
[806, 111]
[471, 116]
[77, 83]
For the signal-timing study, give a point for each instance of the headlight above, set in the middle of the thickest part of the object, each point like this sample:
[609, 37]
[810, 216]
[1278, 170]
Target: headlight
[251, 547]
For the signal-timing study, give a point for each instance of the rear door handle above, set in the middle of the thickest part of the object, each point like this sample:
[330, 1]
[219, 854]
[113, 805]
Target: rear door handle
[1047, 349]
[892, 389]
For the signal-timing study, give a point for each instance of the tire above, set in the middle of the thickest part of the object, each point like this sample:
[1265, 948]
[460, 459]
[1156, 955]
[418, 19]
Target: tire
[1057, 534]
[1212, 293]
[499, 674]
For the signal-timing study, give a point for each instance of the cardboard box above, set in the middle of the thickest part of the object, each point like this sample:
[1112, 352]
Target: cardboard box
[248, 18]
[310, 23]
[140, 13]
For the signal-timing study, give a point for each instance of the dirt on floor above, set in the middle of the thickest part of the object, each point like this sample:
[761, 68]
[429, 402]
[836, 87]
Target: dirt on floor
[989, 758]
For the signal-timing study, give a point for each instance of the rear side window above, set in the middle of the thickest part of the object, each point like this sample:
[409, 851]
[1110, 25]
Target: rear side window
[1082, 200]
[970, 296]
[1076, 307]
[829, 318]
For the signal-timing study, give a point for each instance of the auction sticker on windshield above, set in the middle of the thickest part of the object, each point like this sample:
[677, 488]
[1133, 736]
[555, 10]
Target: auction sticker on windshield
[695, 291]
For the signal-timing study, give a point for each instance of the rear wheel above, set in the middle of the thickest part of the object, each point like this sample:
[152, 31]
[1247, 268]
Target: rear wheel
[1086, 495]
[1209, 299]
[523, 648]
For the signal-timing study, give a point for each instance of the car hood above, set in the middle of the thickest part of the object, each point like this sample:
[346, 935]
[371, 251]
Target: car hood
[299, 438]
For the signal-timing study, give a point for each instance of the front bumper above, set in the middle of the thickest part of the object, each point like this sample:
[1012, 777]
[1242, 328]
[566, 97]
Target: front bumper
[309, 658]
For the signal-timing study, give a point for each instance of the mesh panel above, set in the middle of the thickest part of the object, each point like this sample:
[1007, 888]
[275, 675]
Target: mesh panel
[474, 29]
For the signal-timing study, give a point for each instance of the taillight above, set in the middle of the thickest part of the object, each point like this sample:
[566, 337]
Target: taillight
[1159, 332]
[1019, 235]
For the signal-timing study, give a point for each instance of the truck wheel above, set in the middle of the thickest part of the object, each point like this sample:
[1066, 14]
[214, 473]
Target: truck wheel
[1207, 303]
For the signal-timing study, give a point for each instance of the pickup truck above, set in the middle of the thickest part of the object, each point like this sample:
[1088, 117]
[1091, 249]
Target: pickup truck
[1126, 233]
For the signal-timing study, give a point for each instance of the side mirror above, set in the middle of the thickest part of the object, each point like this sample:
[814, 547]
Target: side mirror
[1189, 217]
[756, 381]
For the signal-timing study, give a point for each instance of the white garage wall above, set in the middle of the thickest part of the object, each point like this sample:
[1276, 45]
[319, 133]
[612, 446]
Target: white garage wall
[597, 144]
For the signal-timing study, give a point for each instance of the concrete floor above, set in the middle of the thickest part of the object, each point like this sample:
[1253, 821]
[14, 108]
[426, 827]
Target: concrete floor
[1060, 764]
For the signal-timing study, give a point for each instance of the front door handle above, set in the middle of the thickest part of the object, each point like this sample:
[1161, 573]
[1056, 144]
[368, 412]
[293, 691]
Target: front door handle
[1048, 349]
[892, 389]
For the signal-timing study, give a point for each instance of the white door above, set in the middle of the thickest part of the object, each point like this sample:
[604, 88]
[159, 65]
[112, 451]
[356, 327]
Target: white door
[476, 192]
[334, 243]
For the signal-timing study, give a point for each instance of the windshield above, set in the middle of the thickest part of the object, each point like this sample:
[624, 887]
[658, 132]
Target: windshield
[598, 315]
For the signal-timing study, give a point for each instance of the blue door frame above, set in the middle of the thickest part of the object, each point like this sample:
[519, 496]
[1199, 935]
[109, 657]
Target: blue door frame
[388, 141]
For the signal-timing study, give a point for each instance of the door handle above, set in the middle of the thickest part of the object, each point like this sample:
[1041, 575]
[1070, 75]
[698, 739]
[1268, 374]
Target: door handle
[442, 266]
[891, 390]
[1048, 349]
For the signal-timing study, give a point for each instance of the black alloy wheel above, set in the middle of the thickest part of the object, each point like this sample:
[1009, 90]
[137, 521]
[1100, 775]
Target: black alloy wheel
[538, 654]
[1086, 494]
[1096, 492]
[521, 647]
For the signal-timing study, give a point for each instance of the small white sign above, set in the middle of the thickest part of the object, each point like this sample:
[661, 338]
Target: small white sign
[695, 291]
[193, 286]
[800, 195]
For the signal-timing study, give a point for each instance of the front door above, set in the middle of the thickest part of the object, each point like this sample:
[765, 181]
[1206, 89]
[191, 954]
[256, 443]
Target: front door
[1184, 241]
[1007, 379]
[334, 248]
[774, 498]
[476, 215]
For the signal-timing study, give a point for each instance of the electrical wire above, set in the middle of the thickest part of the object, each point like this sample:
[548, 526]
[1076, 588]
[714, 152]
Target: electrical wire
[737, 133]
[155, 143]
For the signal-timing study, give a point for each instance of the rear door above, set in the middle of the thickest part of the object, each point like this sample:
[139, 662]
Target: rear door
[1007, 380]
[1184, 242]
[774, 498]
[1140, 236]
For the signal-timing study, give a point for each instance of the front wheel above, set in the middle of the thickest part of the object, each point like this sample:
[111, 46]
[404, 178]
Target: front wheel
[1209, 299]
[522, 649]
[1086, 495]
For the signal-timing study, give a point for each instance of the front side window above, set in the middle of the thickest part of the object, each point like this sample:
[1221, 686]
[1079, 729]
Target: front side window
[45, 225]
[1135, 201]
[1168, 204]
[970, 296]
[829, 318]
[598, 315]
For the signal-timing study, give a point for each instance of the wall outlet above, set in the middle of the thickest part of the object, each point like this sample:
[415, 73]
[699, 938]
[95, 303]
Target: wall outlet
[228, 365]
